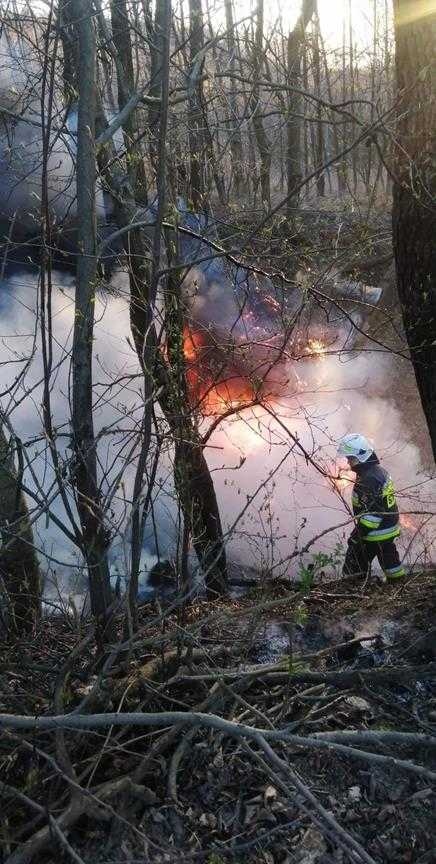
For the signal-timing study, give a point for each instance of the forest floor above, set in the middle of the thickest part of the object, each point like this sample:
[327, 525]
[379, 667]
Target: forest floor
[337, 757]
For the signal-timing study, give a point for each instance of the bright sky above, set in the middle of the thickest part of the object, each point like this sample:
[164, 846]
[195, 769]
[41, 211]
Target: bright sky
[331, 14]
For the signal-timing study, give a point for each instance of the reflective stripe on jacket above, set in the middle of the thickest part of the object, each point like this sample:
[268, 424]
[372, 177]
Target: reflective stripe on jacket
[374, 503]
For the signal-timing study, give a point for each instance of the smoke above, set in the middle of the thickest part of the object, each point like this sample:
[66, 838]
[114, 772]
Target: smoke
[338, 394]
[258, 469]
[21, 148]
[118, 408]
[114, 359]
[326, 395]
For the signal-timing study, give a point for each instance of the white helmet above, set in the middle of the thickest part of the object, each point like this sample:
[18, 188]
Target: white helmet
[356, 446]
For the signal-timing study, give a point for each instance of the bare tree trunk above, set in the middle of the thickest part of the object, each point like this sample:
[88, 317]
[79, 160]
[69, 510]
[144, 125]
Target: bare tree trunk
[200, 507]
[414, 212]
[319, 130]
[201, 143]
[306, 147]
[126, 85]
[234, 129]
[145, 339]
[343, 166]
[197, 168]
[352, 89]
[387, 80]
[70, 47]
[157, 44]
[193, 479]
[95, 540]
[327, 77]
[251, 175]
[370, 145]
[212, 165]
[19, 567]
[263, 144]
[137, 253]
[293, 125]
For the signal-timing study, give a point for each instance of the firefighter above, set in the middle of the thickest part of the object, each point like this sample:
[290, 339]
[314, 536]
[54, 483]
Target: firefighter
[375, 511]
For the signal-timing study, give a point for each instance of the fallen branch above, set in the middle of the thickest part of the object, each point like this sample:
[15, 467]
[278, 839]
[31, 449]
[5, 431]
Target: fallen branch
[31, 848]
[349, 678]
[80, 804]
[211, 721]
[361, 755]
[379, 737]
[342, 836]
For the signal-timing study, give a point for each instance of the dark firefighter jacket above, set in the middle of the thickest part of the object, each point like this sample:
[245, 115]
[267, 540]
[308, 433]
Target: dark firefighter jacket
[374, 503]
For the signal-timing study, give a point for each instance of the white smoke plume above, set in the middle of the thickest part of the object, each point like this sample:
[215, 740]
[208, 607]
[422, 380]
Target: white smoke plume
[338, 394]
[21, 147]
[325, 397]
[328, 397]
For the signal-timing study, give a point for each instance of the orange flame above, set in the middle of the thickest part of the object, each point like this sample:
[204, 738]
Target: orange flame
[223, 374]
[192, 345]
[316, 346]
[215, 385]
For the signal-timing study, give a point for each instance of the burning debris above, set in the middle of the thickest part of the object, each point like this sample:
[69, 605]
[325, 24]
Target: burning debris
[316, 346]
[223, 374]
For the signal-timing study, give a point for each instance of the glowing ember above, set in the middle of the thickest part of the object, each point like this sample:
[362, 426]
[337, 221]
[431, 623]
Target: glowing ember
[315, 346]
[215, 384]
[272, 302]
[192, 345]
[226, 396]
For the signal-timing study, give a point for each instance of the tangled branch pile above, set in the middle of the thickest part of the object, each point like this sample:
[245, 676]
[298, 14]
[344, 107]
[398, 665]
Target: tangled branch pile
[179, 749]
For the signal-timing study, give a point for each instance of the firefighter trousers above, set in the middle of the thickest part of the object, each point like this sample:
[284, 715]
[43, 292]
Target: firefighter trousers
[361, 553]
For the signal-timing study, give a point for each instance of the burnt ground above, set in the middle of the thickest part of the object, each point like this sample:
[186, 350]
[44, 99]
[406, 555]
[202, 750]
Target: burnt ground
[201, 795]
